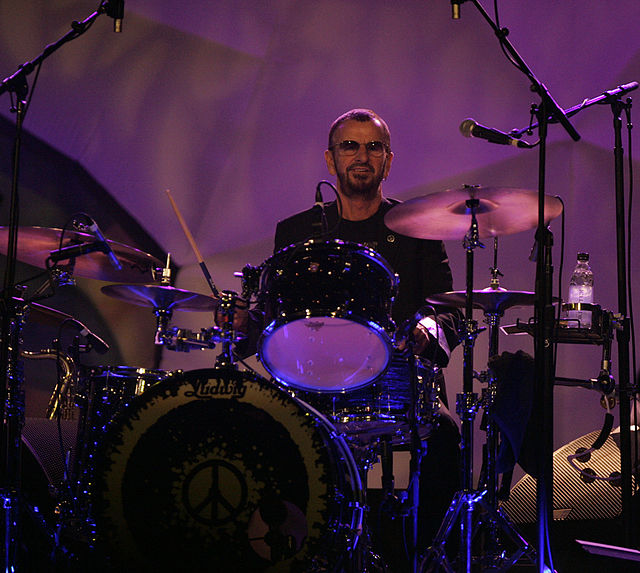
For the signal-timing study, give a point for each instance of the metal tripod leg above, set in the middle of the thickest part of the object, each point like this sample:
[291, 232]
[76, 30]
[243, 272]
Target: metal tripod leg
[463, 507]
[483, 503]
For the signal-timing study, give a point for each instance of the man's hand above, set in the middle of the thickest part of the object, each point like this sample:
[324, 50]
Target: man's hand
[422, 340]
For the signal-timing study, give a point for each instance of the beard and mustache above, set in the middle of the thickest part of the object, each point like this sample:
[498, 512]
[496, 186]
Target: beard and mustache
[357, 183]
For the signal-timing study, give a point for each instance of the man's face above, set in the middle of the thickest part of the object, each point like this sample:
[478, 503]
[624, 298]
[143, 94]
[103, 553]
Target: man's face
[358, 175]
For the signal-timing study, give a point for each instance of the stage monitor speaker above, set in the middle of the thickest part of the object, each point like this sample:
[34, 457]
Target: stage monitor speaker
[576, 496]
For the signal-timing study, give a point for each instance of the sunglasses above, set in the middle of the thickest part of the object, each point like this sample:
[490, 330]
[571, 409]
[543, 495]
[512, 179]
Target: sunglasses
[348, 147]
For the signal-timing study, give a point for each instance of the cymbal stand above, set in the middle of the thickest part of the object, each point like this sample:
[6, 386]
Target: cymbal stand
[466, 407]
[467, 500]
[494, 557]
[467, 402]
[227, 310]
[489, 475]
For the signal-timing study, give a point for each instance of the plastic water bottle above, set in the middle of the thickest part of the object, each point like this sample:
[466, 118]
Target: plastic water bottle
[580, 290]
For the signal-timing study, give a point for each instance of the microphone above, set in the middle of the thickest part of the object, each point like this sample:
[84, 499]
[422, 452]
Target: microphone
[319, 202]
[99, 345]
[455, 9]
[470, 128]
[115, 9]
[95, 230]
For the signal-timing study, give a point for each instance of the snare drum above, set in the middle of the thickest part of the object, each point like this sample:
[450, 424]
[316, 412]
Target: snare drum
[328, 312]
[218, 470]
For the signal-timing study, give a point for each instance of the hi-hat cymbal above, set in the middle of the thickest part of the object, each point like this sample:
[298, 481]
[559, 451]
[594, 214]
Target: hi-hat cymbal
[35, 244]
[445, 215]
[164, 297]
[489, 300]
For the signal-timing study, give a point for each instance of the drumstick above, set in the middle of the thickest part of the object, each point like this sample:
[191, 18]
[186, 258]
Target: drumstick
[192, 242]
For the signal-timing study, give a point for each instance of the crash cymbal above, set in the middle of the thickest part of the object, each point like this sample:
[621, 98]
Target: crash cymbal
[35, 244]
[164, 297]
[445, 215]
[489, 300]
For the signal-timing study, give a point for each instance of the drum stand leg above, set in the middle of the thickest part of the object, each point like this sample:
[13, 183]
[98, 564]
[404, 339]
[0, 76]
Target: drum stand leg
[414, 504]
[364, 559]
[406, 508]
[481, 505]
[418, 450]
[11, 424]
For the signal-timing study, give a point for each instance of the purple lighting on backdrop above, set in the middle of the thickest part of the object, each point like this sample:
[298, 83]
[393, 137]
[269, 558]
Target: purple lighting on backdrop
[229, 106]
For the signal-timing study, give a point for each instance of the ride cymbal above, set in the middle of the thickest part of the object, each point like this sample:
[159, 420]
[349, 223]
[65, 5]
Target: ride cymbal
[445, 215]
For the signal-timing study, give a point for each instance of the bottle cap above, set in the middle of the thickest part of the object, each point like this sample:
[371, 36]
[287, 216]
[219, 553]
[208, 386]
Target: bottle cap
[583, 257]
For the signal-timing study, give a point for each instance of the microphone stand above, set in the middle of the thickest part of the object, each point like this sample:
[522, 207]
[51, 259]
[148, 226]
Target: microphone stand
[550, 112]
[12, 391]
[626, 389]
[544, 314]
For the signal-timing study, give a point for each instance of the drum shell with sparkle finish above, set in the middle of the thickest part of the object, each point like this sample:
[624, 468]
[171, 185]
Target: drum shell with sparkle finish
[106, 389]
[328, 314]
[386, 407]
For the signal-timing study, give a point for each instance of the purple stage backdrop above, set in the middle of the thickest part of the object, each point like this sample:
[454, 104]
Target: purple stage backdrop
[228, 105]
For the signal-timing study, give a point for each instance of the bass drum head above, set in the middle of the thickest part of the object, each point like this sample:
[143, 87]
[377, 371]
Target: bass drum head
[219, 470]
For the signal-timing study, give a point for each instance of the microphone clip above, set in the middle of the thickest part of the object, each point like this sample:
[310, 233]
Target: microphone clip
[319, 224]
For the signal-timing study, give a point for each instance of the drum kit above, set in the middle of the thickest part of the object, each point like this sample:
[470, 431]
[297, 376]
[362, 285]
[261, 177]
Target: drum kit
[179, 470]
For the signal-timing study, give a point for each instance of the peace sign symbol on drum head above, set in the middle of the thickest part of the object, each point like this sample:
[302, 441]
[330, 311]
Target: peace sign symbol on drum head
[214, 492]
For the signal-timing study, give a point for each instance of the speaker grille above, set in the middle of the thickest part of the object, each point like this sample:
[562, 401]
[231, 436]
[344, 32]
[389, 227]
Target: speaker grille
[573, 498]
[41, 436]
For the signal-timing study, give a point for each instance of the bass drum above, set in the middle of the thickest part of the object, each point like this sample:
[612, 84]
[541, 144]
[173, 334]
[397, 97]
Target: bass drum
[217, 469]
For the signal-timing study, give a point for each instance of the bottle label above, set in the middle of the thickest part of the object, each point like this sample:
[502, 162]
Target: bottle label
[580, 318]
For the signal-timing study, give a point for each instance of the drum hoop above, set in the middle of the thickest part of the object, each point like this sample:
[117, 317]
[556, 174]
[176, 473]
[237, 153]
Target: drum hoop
[276, 324]
[369, 253]
[127, 372]
[338, 438]
[384, 332]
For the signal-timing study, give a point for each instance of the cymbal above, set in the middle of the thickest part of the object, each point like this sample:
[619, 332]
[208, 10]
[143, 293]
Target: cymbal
[445, 215]
[164, 297]
[489, 300]
[35, 244]
[47, 316]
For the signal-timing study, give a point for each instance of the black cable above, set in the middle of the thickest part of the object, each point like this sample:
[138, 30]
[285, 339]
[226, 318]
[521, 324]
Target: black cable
[33, 89]
[504, 32]
[339, 206]
[560, 271]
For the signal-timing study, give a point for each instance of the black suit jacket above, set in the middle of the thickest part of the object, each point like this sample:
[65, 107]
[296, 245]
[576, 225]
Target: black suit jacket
[422, 265]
